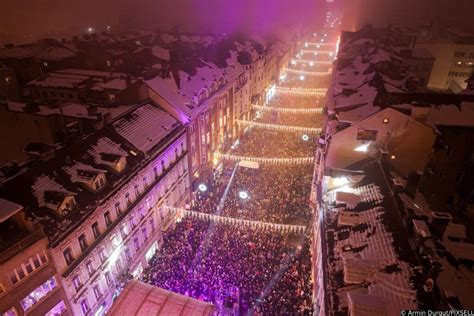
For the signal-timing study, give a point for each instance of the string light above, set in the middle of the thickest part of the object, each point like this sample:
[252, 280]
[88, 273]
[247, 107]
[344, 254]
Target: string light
[310, 73]
[268, 161]
[301, 91]
[181, 212]
[287, 110]
[280, 128]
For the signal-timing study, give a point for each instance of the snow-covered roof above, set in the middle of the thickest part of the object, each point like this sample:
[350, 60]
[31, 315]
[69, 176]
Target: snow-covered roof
[366, 247]
[138, 298]
[160, 52]
[186, 97]
[45, 184]
[69, 109]
[8, 209]
[146, 126]
[358, 113]
[55, 53]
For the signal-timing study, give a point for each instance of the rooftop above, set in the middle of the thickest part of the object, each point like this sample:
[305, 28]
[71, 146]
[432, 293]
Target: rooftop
[51, 181]
[369, 258]
[139, 298]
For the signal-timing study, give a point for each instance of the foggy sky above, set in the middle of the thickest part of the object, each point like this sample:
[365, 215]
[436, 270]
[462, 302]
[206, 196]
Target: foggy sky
[25, 20]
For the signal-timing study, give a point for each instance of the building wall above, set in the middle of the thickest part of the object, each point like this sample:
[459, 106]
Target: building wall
[447, 73]
[448, 182]
[401, 135]
[35, 264]
[131, 234]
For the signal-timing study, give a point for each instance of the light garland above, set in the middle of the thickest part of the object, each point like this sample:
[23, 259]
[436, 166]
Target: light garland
[268, 161]
[283, 228]
[311, 73]
[280, 128]
[308, 61]
[321, 44]
[287, 110]
[301, 91]
[317, 51]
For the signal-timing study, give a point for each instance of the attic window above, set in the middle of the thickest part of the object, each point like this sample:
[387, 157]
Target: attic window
[386, 120]
[99, 184]
[364, 134]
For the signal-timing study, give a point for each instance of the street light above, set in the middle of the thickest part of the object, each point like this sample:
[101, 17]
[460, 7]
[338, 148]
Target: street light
[202, 187]
[243, 195]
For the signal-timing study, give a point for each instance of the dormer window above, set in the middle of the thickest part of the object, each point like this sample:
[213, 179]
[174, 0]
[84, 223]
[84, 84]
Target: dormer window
[61, 202]
[116, 162]
[111, 97]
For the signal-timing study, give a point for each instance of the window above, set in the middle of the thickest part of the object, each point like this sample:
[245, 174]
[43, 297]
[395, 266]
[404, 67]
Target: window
[8, 80]
[84, 306]
[145, 233]
[386, 120]
[76, 282]
[144, 182]
[108, 220]
[68, 256]
[97, 293]
[82, 242]
[123, 231]
[38, 294]
[108, 279]
[441, 175]
[102, 255]
[90, 267]
[152, 224]
[136, 243]
[141, 211]
[163, 165]
[58, 309]
[28, 267]
[11, 312]
[127, 199]
[118, 211]
[95, 229]
[97, 185]
[127, 254]
[363, 134]
[135, 187]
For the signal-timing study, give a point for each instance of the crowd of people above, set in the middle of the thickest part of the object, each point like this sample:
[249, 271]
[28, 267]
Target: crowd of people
[220, 263]
[248, 270]
[302, 119]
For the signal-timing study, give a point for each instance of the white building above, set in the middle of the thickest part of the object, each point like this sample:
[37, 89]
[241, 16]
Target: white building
[100, 202]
